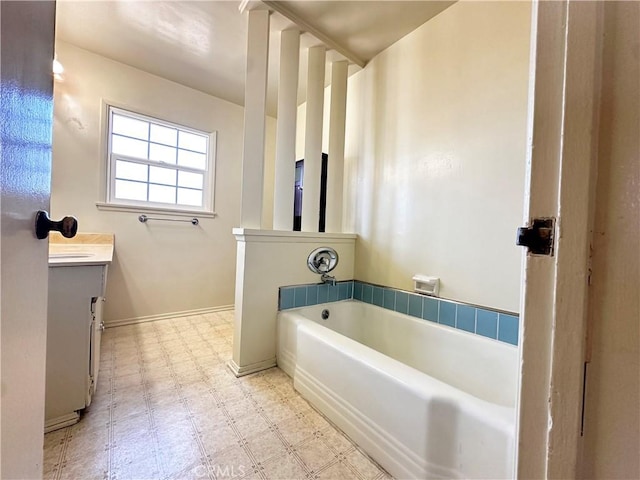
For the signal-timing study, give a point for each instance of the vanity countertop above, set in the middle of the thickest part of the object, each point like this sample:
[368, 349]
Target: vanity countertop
[83, 249]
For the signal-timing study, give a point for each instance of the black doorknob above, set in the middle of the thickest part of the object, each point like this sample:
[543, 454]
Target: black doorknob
[68, 226]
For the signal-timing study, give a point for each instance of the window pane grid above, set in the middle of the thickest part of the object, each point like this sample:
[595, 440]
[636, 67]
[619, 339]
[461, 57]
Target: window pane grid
[191, 141]
[118, 134]
[157, 162]
[144, 161]
[159, 184]
[163, 135]
[162, 154]
[136, 146]
[134, 127]
[192, 151]
[188, 141]
[190, 188]
[171, 192]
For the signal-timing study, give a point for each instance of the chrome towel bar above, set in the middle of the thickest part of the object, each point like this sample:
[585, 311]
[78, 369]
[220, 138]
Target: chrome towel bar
[144, 219]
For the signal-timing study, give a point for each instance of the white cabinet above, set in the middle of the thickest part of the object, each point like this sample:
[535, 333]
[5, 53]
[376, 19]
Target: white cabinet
[97, 326]
[76, 295]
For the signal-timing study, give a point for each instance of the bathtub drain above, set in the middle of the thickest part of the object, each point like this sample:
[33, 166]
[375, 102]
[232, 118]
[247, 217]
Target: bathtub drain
[325, 314]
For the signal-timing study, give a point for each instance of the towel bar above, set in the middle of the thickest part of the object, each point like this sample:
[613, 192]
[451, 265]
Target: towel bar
[144, 219]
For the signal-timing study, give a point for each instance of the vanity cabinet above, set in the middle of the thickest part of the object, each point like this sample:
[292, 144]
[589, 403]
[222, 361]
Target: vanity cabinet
[74, 327]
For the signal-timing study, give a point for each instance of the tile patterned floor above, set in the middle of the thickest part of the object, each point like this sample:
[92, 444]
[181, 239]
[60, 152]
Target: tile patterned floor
[167, 407]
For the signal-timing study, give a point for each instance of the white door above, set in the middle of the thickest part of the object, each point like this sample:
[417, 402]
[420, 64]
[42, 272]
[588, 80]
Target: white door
[26, 99]
[561, 160]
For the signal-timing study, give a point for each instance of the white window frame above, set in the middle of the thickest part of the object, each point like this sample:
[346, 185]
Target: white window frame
[112, 203]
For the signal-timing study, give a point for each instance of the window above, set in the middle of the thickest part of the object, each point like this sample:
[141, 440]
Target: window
[154, 163]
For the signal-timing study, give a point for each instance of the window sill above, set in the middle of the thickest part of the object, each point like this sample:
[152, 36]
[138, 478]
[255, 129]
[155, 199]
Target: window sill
[112, 207]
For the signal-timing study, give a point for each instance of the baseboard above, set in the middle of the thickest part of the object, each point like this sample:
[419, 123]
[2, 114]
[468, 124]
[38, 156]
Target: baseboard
[165, 316]
[252, 368]
[61, 422]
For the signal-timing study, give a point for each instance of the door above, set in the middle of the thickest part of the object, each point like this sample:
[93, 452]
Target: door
[563, 107]
[26, 99]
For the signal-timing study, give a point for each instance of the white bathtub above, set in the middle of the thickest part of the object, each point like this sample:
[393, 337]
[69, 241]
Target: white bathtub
[425, 401]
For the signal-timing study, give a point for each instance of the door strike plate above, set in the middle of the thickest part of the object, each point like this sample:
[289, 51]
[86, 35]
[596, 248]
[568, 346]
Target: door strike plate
[539, 237]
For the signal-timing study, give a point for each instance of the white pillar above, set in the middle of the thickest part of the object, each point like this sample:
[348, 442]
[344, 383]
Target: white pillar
[286, 130]
[337, 121]
[255, 105]
[313, 140]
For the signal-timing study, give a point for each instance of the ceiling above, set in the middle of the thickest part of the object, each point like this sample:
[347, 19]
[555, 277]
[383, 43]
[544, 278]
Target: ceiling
[202, 44]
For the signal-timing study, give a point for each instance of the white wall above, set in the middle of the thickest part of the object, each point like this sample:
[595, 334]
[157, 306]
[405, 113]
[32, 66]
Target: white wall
[267, 260]
[158, 267]
[612, 420]
[435, 154]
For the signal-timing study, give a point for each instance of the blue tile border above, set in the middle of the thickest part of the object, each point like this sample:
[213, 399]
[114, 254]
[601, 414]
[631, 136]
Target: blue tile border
[466, 318]
[378, 296]
[357, 291]
[389, 299]
[508, 328]
[415, 305]
[300, 297]
[494, 324]
[447, 314]
[306, 295]
[402, 302]
[430, 309]
[487, 323]
[286, 298]
[367, 293]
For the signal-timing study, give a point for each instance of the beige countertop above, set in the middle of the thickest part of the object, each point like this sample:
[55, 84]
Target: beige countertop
[83, 249]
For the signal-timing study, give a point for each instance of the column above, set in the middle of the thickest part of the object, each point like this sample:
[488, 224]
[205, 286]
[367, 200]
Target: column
[255, 105]
[313, 140]
[286, 130]
[335, 170]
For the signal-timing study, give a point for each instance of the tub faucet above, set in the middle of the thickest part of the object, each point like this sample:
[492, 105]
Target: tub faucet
[328, 279]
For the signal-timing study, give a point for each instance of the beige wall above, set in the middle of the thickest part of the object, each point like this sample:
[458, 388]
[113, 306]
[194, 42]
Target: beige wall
[612, 422]
[435, 154]
[159, 267]
[260, 260]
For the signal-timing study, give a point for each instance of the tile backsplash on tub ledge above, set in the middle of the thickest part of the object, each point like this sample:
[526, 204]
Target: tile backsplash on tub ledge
[306, 295]
[495, 324]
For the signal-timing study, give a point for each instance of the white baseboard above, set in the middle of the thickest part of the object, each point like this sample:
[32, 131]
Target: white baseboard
[164, 316]
[61, 422]
[239, 371]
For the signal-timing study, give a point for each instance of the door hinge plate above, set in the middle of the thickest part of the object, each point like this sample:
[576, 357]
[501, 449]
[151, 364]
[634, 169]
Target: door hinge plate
[538, 237]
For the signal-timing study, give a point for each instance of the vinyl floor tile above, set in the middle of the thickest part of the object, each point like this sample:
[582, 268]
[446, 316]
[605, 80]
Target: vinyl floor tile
[178, 457]
[265, 446]
[232, 459]
[167, 407]
[315, 454]
[336, 441]
[337, 471]
[295, 431]
[141, 467]
[285, 467]
[367, 469]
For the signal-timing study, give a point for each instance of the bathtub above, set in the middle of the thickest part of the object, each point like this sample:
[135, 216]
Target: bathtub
[423, 400]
